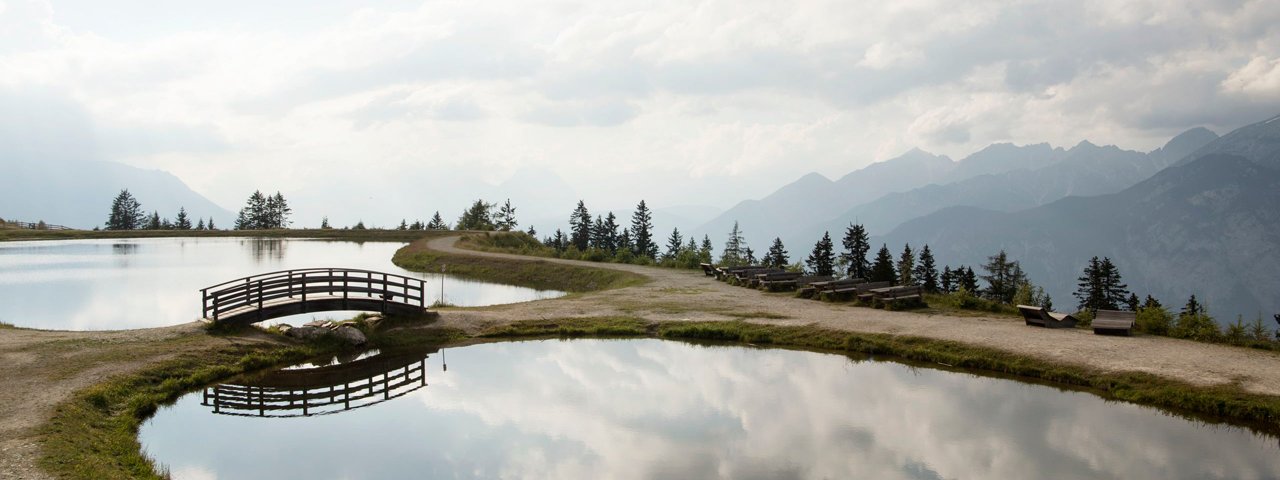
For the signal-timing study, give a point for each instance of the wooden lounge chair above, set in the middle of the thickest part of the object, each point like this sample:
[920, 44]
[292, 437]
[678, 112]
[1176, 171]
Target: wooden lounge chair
[1113, 321]
[1039, 317]
[707, 269]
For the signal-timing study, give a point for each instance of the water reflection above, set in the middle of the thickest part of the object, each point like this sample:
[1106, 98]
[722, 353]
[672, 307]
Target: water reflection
[321, 390]
[136, 283]
[657, 409]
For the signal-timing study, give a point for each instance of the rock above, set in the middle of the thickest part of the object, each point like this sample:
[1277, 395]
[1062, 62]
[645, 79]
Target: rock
[307, 332]
[373, 322]
[350, 334]
[284, 328]
[316, 323]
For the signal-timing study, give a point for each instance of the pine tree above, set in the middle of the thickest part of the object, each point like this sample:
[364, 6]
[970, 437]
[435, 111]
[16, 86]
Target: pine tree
[478, 217]
[404, 225]
[277, 212]
[947, 285]
[437, 222]
[126, 213]
[1115, 292]
[1100, 287]
[506, 218]
[359, 225]
[580, 227]
[1133, 303]
[210, 226]
[749, 256]
[907, 267]
[882, 270]
[822, 260]
[776, 257]
[674, 244]
[154, 222]
[255, 215]
[1193, 307]
[625, 243]
[969, 280]
[1089, 287]
[856, 246]
[532, 233]
[642, 232]
[200, 224]
[182, 222]
[705, 252]
[609, 234]
[1003, 277]
[926, 273]
[732, 254]
[324, 224]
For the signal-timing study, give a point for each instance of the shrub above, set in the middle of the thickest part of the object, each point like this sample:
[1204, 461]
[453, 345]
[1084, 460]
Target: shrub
[1155, 320]
[1198, 326]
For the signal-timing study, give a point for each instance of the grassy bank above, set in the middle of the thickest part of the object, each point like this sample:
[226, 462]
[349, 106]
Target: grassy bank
[94, 435]
[530, 273]
[1225, 403]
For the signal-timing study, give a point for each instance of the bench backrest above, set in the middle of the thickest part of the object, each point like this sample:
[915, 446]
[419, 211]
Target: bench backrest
[1114, 319]
[865, 287]
[775, 276]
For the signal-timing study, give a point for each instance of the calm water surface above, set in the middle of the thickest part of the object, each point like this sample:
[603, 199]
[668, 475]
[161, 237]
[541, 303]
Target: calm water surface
[660, 409]
[136, 283]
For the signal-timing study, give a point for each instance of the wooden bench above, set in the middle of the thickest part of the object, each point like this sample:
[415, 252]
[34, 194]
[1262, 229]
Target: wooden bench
[866, 291]
[1039, 317]
[807, 286]
[839, 290]
[1113, 321]
[764, 281]
[725, 273]
[744, 278]
[897, 297]
[708, 269]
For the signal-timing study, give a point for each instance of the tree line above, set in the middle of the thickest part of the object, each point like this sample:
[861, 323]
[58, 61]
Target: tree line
[127, 214]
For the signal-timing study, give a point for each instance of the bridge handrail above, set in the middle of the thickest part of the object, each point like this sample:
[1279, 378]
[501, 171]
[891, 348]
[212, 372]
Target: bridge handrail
[257, 289]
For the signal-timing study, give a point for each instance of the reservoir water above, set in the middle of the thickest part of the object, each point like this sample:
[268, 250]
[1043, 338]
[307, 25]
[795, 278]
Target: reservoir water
[639, 409]
[138, 283]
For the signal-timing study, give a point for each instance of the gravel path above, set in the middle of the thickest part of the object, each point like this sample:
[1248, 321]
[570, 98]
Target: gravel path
[689, 295]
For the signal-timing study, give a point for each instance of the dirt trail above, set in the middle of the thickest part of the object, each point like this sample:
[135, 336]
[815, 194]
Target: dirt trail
[689, 295]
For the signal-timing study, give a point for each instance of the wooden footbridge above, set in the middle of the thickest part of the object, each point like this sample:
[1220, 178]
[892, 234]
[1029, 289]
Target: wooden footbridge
[291, 292]
[323, 390]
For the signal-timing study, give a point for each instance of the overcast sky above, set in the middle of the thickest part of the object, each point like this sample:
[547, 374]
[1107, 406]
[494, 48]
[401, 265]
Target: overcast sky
[680, 102]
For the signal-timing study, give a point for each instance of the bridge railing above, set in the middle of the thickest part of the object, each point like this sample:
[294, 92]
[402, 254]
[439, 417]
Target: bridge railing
[317, 398]
[257, 291]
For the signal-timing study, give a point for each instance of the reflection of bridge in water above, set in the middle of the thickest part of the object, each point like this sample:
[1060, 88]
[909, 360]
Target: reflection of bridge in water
[323, 390]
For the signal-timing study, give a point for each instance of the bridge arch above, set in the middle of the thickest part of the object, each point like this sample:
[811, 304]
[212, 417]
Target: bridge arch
[290, 292]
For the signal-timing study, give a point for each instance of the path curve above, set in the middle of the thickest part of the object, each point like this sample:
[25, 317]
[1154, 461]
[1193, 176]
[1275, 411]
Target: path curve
[675, 294]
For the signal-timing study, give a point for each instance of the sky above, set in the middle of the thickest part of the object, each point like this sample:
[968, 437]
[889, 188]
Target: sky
[347, 106]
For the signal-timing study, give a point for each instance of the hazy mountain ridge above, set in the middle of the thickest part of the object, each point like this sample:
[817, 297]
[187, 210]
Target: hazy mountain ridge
[1207, 226]
[79, 193]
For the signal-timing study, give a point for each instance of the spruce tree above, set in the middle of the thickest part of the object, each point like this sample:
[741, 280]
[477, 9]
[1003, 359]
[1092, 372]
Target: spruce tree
[625, 244]
[882, 269]
[277, 212]
[705, 252]
[822, 260]
[674, 243]
[126, 213]
[437, 222]
[1133, 303]
[732, 255]
[404, 225]
[947, 286]
[210, 225]
[1100, 287]
[1002, 276]
[154, 222]
[200, 224]
[969, 280]
[182, 222]
[907, 267]
[478, 217]
[610, 233]
[926, 273]
[324, 223]
[749, 256]
[506, 217]
[532, 233]
[580, 227]
[856, 246]
[776, 257]
[642, 232]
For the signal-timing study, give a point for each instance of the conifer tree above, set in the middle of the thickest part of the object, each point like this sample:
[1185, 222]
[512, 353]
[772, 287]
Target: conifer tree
[277, 212]
[324, 223]
[416, 225]
[705, 252]
[182, 222]
[610, 233]
[437, 223]
[1100, 287]
[625, 242]
[732, 255]
[1002, 276]
[882, 270]
[970, 280]
[926, 273]
[907, 267]
[946, 281]
[403, 225]
[210, 225]
[154, 222]
[776, 257]
[532, 233]
[856, 247]
[1133, 303]
[200, 224]
[580, 227]
[749, 257]
[506, 217]
[126, 213]
[478, 217]
[674, 243]
[642, 232]
[822, 260]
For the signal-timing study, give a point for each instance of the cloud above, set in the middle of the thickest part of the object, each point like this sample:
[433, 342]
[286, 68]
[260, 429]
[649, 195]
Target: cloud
[1259, 78]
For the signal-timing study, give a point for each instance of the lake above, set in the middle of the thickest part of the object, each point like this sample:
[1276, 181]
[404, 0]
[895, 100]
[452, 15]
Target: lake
[139, 283]
[663, 409]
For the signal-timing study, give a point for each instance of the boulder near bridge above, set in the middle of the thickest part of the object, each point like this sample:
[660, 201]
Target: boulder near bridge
[291, 292]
